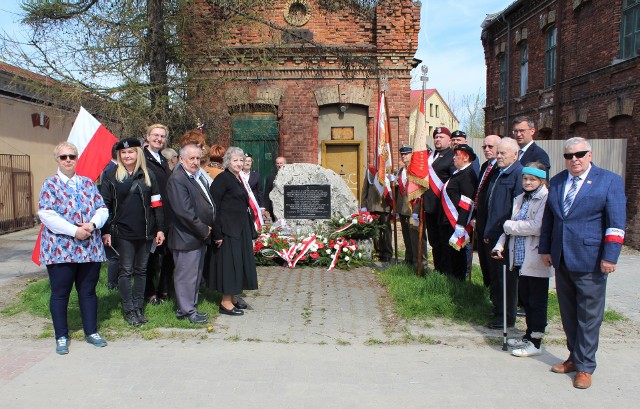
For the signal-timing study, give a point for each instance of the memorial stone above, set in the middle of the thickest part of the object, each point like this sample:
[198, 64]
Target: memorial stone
[310, 188]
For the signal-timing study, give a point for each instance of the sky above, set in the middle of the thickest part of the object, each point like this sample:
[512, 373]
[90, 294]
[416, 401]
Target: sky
[448, 43]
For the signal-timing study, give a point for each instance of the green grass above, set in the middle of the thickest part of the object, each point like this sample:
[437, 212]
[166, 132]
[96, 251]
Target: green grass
[439, 296]
[436, 295]
[35, 300]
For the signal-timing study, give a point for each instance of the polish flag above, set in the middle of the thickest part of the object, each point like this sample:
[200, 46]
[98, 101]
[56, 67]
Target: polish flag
[94, 143]
[418, 171]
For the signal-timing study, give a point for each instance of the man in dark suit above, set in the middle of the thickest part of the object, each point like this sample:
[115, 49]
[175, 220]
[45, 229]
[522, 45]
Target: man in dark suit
[156, 139]
[440, 164]
[502, 190]
[194, 213]
[268, 186]
[488, 172]
[523, 130]
[581, 236]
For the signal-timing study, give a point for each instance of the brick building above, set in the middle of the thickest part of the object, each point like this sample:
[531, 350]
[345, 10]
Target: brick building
[301, 78]
[572, 65]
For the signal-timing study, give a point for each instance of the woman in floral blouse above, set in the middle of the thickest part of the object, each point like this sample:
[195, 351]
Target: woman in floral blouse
[72, 212]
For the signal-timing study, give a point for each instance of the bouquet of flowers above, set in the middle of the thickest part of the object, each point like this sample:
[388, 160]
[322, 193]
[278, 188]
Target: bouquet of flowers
[314, 250]
[358, 226]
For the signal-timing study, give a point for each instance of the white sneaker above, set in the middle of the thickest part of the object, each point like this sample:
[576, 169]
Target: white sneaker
[528, 350]
[516, 342]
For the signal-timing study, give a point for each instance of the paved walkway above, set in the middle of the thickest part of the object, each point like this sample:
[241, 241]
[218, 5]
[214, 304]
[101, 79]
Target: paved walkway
[313, 339]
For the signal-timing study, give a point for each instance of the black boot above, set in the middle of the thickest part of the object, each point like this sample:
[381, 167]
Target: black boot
[132, 318]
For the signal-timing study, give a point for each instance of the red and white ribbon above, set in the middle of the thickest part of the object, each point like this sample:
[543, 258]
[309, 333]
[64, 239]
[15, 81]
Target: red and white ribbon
[341, 243]
[452, 215]
[435, 183]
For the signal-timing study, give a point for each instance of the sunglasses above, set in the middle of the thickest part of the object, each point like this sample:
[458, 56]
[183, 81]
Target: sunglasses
[487, 146]
[579, 155]
[64, 157]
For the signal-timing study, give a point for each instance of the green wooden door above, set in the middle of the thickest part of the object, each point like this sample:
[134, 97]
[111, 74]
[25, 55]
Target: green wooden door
[257, 134]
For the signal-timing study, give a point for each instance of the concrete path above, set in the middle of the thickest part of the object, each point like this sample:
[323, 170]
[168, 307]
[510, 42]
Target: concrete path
[312, 339]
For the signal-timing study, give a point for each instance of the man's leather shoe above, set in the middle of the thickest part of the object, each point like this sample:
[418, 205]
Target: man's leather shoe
[565, 367]
[234, 311]
[195, 318]
[240, 304]
[582, 380]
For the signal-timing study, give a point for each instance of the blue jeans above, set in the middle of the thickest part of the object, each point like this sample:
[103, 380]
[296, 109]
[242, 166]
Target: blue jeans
[133, 265]
[61, 278]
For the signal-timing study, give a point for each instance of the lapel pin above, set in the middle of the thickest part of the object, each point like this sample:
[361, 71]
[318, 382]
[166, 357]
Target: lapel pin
[588, 182]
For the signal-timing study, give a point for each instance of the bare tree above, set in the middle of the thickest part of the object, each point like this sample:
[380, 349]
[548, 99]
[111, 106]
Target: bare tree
[470, 112]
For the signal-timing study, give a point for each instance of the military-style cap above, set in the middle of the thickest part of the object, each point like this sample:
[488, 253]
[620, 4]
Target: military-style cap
[459, 134]
[405, 149]
[466, 149]
[441, 129]
[128, 143]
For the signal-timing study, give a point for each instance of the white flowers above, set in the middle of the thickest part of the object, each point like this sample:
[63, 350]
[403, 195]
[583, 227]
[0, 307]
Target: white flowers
[347, 258]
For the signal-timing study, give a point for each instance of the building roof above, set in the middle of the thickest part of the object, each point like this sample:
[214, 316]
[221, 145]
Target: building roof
[493, 17]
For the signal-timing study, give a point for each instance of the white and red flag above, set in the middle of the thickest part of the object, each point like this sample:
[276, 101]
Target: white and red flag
[418, 170]
[94, 143]
[382, 160]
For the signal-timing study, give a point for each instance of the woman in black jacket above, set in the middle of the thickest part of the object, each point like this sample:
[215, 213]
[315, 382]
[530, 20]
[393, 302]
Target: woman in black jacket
[132, 195]
[233, 268]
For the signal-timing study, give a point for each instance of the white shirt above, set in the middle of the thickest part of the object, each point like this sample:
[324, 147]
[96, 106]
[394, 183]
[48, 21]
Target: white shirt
[156, 155]
[569, 181]
[59, 225]
[524, 149]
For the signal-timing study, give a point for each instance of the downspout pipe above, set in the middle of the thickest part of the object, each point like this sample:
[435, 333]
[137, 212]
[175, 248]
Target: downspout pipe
[507, 79]
[556, 95]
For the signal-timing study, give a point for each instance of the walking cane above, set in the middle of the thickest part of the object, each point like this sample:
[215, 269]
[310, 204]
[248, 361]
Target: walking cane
[504, 307]
[395, 223]
[473, 240]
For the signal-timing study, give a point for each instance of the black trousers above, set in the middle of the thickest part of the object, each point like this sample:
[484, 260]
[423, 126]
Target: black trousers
[534, 293]
[438, 243]
[134, 255]
[457, 261]
[495, 267]
[484, 255]
[383, 244]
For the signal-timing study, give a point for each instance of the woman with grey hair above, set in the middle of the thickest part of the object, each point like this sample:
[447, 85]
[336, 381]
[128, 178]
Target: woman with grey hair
[233, 267]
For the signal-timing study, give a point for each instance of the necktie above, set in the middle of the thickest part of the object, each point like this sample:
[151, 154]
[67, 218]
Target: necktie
[520, 153]
[571, 194]
[484, 178]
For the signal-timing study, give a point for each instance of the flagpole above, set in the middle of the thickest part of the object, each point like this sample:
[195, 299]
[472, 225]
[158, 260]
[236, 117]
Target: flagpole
[421, 213]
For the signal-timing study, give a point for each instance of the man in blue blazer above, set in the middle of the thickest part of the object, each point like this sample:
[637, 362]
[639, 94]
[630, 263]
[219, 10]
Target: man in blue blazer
[582, 235]
[523, 130]
[502, 190]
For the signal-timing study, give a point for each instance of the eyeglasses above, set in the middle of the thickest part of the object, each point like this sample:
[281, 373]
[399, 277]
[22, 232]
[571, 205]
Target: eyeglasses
[517, 131]
[579, 155]
[487, 146]
[158, 134]
[64, 157]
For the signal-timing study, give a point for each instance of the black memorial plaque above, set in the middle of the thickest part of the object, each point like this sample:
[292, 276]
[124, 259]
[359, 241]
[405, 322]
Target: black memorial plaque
[307, 201]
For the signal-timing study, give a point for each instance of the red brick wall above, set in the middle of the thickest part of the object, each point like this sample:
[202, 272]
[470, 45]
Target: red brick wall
[388, 42]
[588, 79]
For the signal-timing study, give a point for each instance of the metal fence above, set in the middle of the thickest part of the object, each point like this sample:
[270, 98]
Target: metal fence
[16, 202]
[609, 154]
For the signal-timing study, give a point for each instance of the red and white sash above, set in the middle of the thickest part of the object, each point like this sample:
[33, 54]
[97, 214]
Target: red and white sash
[452, 215]
[402, 182]
[253, 203]
[435, 184]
